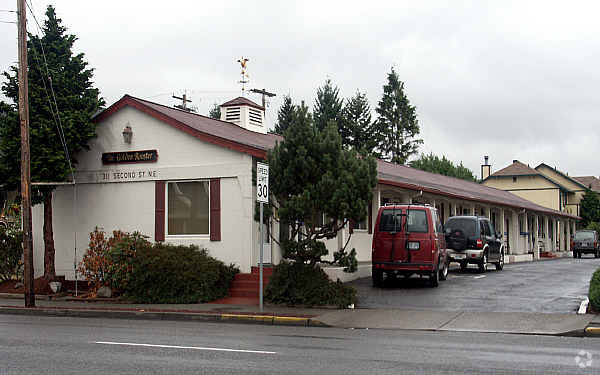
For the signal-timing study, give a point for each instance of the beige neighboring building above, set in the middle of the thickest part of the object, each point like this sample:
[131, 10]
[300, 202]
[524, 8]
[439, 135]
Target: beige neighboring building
[544, 185]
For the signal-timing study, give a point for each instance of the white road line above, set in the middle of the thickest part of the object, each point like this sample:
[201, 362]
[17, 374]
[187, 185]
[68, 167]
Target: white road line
[184, 347]
[479, 277]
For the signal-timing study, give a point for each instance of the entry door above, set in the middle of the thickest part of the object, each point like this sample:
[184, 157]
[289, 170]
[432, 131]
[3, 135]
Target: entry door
[267, 244]
[507, 234]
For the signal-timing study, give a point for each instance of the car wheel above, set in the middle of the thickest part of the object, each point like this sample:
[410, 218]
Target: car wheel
[377, 276]
[464, 265]
[434, 278]
[444, 271]
[483, 263]
[579, 254]
[500, 263]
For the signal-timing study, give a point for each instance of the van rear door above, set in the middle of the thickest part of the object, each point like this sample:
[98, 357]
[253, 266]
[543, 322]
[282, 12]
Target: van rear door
[388, 242]
[418, 235]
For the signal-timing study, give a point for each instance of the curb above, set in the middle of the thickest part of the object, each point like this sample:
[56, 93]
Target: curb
[592, 331]
[162, 315]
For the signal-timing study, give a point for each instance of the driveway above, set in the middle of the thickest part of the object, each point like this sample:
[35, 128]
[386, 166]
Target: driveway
[548, 286]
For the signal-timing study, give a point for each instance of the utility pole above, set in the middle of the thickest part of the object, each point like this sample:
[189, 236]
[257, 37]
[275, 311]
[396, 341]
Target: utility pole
[25, 157]
[184, 101]
[264, 93]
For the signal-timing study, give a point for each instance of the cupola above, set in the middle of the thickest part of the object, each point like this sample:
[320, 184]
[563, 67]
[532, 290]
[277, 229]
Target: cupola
[244, 113]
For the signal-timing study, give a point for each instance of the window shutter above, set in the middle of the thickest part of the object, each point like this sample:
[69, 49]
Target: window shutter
[159, 211]
[370, 218]
[215, 209]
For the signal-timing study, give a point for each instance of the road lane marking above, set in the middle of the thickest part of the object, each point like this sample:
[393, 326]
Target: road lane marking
[479, 277]
[185, 347]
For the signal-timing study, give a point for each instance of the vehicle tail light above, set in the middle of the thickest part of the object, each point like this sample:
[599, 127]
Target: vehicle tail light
[479, 243]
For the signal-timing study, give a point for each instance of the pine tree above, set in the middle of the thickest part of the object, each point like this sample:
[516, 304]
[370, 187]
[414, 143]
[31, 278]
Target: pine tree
[397, 122]
[328, 107]
[284, 116]
[311, 174]
[215, 112]
[76, 99]
[359, 127]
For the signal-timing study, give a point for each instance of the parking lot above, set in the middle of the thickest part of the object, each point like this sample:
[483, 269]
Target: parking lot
[549, 286]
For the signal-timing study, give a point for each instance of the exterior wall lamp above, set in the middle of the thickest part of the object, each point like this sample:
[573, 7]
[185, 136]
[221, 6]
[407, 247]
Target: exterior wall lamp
[127, 134]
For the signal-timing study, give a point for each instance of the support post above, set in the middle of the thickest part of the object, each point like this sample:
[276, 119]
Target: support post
[260, 260]
[25, 157]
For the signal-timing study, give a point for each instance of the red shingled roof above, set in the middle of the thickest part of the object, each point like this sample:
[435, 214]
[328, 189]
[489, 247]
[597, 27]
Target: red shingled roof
[411, 178]
[240, 100]
[219, 132]
[229, 135]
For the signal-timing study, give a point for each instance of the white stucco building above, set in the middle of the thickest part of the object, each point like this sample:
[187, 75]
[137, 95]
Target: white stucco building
[187, 179]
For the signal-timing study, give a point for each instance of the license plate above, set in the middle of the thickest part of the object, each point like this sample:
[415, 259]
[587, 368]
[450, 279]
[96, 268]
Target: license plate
[459, 256]
[585, 244]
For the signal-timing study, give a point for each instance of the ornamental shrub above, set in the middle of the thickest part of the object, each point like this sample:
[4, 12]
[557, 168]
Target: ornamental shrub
[165, 273]
[95, 265]
[296, 283]
[121, 258]
[594, 292]
[11, 253]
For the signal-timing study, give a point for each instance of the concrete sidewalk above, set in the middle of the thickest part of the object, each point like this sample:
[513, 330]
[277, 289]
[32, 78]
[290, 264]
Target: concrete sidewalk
[394, 319]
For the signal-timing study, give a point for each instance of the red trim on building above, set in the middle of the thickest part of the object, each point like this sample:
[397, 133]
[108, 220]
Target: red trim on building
[128, 101]
[159, 211]
[457, 196]
[215, 209]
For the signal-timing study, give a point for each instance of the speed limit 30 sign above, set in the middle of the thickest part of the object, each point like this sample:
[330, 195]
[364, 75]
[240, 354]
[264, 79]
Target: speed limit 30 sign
[262, 182]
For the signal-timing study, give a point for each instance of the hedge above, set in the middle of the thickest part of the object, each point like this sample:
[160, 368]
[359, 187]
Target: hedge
[296, 283]
[594, 292]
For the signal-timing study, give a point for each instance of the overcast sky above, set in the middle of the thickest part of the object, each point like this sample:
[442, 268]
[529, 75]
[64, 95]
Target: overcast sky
[512, 80]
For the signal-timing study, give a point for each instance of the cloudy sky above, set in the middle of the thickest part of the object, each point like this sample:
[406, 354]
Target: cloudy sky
[512, 80]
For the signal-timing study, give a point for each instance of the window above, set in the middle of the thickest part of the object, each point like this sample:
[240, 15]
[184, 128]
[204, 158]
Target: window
[188, 208]
[436, 221]
[482, 228]
[391, 221]
[514, 179]
[417, 221]
[490, 229]
[362, 225]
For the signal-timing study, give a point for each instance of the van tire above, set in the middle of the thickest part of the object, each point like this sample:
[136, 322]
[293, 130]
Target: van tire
[434, 278]
[444, 271]
[377, 276]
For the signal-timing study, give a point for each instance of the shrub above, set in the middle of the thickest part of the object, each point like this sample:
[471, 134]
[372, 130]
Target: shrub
[165, 273]
[594, 292]
[296, 283]
[95, 263]
[11, 253]
[121, 259]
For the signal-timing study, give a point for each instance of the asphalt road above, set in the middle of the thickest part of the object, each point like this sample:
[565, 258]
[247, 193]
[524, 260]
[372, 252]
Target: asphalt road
[553, 286]
[56, 345]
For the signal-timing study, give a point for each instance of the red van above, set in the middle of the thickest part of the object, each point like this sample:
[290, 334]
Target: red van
[409, 239]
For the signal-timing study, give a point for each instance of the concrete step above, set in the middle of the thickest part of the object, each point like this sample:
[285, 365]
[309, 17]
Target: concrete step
[243, 292]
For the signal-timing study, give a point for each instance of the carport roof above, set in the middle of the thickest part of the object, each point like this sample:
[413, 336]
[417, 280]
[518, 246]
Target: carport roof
[415, 179]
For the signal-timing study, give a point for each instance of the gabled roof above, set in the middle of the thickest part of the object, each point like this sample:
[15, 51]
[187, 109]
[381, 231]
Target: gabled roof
[561, 174]
[214, 131]
[240, 100]
[521, 169]
[415, 179]
[231, 136]
[516, 169]
[591, 182]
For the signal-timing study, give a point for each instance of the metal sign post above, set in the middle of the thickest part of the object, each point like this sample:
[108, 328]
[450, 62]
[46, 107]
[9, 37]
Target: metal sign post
[262, 196]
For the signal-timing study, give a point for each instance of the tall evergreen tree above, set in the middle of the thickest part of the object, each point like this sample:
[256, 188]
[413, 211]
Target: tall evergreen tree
[76, 100]
[215, 112]
[359, 127]
[284, 116]
[435, 164]
[397, 122]
[329, 107]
